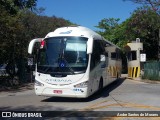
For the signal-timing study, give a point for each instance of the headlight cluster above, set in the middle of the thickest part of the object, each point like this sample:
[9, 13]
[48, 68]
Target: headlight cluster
[81, 85]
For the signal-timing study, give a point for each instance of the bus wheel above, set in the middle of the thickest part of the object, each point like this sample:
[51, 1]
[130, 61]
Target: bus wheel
[101, 85]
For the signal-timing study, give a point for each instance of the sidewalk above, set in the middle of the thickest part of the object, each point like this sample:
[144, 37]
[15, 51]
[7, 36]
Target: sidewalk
[140, 79]
[20, 88]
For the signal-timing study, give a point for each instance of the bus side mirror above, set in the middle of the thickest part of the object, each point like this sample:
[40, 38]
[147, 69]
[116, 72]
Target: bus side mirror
[102, 58]
[32, 43]
[89, 46]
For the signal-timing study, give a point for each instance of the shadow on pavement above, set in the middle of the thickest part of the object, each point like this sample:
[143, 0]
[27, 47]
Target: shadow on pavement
[104, 93]
[61, 112]
[18, 88]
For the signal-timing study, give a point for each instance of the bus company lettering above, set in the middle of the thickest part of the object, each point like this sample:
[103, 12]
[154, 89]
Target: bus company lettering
[58, 81]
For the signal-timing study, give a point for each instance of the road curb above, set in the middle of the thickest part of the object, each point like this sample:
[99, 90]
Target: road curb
[145, 80]
[139, 79]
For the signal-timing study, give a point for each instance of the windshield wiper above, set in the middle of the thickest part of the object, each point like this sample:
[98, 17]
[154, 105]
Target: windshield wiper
[46, 70]
[43, 69]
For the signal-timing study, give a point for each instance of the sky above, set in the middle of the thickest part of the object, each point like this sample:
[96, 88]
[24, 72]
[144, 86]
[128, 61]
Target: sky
[88, 13]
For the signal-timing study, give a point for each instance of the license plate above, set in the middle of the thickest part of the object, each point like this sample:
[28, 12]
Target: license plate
[57, 91]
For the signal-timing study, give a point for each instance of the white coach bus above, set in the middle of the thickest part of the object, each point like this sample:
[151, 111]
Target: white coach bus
[74, 62]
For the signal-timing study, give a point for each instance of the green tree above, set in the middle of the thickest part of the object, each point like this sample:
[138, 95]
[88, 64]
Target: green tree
[108, 27]
[112, 30]
[14, 6]
[18, 28]
[153, 4]
[145, 23]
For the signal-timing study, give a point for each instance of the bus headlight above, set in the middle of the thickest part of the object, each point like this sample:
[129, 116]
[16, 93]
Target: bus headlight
[81, 85]
[37, 83]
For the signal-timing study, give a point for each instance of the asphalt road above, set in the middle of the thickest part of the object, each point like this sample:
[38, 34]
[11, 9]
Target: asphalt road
[122, 95]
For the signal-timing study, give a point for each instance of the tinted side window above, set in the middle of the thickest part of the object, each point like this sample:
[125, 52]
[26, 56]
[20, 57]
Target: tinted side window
[116, 55]
[98, 49]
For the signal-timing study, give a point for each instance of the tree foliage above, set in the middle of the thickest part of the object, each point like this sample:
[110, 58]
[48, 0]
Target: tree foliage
[144, 23]
[108, 27]
[112, 30]
[14, 6]
[18, 26]
[153, 4]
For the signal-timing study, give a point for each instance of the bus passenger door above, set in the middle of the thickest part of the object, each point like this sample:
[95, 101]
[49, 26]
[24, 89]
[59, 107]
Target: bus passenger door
[93, 76]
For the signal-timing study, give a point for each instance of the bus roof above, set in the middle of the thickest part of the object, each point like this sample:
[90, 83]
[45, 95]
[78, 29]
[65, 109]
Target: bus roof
[77, 31]
[74, 31]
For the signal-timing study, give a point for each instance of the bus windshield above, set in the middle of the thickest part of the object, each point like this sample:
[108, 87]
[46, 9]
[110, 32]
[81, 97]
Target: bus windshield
[63, 55]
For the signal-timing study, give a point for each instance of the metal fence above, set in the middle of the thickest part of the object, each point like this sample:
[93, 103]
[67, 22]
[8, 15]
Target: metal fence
[152, 70]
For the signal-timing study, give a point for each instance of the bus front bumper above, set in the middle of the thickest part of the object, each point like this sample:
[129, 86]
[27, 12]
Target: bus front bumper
[62, 92]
